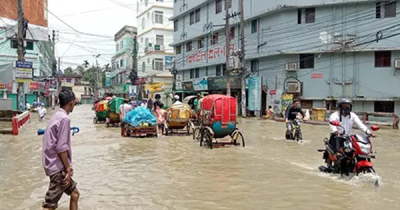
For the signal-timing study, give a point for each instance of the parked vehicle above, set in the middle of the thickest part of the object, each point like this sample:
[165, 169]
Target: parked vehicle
[179, 118]
[101, 110]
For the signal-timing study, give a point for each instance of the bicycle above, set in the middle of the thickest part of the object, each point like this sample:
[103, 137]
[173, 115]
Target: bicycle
[298, 136]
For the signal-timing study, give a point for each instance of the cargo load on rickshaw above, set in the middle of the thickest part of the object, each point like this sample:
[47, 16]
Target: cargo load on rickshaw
[140, 122]
[101, 110]
[218, 120]
[178, 119]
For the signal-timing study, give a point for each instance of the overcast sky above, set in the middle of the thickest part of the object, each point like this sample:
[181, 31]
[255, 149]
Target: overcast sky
[99, 17]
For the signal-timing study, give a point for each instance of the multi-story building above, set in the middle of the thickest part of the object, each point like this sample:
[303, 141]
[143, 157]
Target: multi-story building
[316, 50]
[122, 60]
[38, 51]
[155, 34]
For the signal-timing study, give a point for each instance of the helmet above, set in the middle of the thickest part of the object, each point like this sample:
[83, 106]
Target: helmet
[176, 97]
[344, 101]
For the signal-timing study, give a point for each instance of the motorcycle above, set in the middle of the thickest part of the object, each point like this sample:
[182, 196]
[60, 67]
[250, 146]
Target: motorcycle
[354, 155]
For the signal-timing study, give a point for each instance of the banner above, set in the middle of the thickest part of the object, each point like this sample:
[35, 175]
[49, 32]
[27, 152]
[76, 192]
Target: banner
[254, 94]
[168, 62]
[47, 89]
[108, 79]
[219, 83]
[187, 86]
[200, 84]
[287, 99]
[34, 86]
[156, 87]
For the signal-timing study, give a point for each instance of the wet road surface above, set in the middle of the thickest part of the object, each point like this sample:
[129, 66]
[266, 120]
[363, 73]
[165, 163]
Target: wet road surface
[175, 173]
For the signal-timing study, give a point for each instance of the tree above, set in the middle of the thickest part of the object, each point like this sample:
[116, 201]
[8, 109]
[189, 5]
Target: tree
[95, 76]
[68, 71]
[80, 70]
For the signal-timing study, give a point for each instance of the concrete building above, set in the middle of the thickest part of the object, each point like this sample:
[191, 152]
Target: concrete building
[317, 50]
[122, 60]
[38, 48]
[83, 91]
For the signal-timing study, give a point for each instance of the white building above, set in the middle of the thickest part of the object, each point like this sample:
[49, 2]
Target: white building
[155, 34]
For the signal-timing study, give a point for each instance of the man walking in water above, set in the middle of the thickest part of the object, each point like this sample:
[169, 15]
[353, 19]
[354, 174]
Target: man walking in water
[291, 114]
[56, 155]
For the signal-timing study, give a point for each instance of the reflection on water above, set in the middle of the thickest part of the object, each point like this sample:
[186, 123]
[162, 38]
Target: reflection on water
[175, 173]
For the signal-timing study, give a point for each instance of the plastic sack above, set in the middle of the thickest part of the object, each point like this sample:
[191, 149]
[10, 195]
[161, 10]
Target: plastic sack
[139, 116]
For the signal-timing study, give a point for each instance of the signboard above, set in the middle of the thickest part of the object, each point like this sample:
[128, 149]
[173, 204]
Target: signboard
[156, 87]
[168, 62]
[34, 86]
[317, 76]
[140, 80]
[219, 83]
[200, 84]
[47, 89]
[108, 79]
[287, 99]
[53, 85]
[187, 86]
[24, 64]
[7, 86]
[254, 103]
[214, 53]
[272, 92]
[21, 73]
[178, 86]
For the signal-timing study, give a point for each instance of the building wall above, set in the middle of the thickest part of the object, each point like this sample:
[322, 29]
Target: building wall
[280, 40]
[33, 11]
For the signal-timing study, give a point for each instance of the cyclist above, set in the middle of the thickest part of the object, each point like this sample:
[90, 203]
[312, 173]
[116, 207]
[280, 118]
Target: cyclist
[290, 116]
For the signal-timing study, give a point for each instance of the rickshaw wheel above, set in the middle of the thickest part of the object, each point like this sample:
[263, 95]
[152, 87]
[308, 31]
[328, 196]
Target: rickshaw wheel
[188, 129]
[206, 136]
[95, 120]
[238, 139]
[107, 125]
[166, 131]
[196, 132]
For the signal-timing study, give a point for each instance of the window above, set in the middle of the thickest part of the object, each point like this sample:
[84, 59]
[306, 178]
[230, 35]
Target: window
[121, 62]
[306, 15]
[159, 17]
[188, 46]
[176, 25]
[306, 104]
[383, 59]
[200, 43]
[306, 61]
[158, 63]
[144, 66]
[143, 22]
[218, 6]
[218, 70]
[121, 45]
[214, 39]
[146, 2]
[310, 15]
[386, 9]
[69, 80]
[232, 33]
[229, 5]
[191, 18]
[160, 0]
[197, 19]
[384, 106]
[141, 40]
[29, 46]
[254, 65]
[191, 73]
[197, 73]
[160, 39]
[146, 42]
[254, 26]
[178, 49]
[223, 69]
[14, 45]
[117, 47]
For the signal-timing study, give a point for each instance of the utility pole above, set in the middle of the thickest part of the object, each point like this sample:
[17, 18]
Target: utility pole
[242, 59]
[21, 33]
[228, 47]
[134, 72]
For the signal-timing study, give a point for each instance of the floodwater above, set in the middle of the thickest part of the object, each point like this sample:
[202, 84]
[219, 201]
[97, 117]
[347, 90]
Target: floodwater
[175, 173]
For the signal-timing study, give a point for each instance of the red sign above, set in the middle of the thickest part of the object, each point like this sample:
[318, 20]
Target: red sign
[212, 53]
[317, 76]
[34, 85]
[6, 86]
[272, 92]
[142, 80]
[47, 89]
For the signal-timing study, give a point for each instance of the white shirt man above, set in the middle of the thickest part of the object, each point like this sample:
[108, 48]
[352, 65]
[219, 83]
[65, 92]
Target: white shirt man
[347, 123]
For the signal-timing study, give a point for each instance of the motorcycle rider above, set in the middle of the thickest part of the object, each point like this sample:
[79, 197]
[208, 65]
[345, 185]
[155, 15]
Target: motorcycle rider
[346, 118]
[291, 114]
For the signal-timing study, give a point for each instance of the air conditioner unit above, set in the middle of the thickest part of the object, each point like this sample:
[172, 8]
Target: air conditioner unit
[293, 87]
[397, 64]
[291, 66]
[234, 62]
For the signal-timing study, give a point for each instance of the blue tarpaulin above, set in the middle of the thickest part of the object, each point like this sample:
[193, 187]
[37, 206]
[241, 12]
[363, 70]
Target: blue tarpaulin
[140, 115]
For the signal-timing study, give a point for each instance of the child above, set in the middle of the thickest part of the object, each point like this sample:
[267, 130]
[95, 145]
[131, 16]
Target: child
[56, 155]
[160, 118]
[42, 112]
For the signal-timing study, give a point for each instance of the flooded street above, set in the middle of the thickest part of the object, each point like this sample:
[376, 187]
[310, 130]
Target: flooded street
[175, 173]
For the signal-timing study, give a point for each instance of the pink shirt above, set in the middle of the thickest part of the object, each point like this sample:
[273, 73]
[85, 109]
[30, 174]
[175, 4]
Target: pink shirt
[57, 139]
[160, 115]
